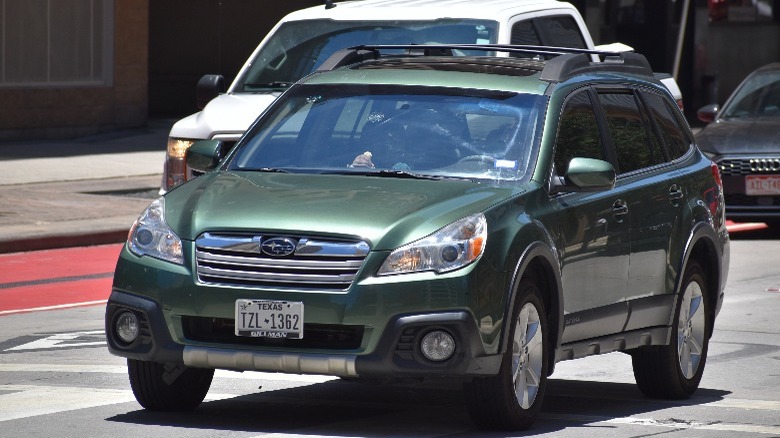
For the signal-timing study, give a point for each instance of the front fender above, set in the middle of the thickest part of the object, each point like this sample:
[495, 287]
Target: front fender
[539, 260]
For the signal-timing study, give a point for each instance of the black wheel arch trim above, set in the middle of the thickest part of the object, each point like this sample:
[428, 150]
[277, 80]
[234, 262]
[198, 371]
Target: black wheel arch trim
[553, 295]
[711, 259]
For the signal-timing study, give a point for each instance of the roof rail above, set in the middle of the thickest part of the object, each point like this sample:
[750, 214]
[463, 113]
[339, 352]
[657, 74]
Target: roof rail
[567, 61]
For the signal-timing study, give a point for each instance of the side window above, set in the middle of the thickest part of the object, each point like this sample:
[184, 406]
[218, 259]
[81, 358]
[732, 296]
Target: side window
[677, 143]
[578, 132]
[559, 31]
[635, 145]
[524, 33]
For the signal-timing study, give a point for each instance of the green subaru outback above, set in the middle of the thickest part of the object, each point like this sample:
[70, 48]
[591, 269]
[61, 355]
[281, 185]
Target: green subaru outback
[418, 212]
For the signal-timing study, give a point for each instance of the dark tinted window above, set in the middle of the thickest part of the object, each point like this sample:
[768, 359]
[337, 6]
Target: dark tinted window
[635, 145]
[560, 31]
[551, 31]
[672, 134]
[523, 32]
[578, 133]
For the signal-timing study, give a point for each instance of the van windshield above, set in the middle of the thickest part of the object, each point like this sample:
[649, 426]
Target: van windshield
[297, 48]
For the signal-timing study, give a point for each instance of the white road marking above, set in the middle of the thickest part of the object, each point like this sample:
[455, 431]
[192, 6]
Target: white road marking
[122, 369]
[24, 401]
[61, 306]
[62, 340]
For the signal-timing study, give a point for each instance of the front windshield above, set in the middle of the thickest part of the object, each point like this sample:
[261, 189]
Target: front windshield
[757, 97]
[297, 48]
[396, 131]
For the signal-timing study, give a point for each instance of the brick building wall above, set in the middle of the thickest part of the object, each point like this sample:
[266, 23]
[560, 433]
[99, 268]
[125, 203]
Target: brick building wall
[61, 111]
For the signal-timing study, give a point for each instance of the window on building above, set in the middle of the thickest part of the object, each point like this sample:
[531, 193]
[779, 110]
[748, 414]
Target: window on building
[56, 42]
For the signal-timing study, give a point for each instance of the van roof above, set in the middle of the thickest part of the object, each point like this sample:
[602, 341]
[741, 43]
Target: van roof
[425, 9]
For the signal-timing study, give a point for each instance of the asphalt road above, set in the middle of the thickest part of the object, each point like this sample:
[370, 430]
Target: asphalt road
[58, 379]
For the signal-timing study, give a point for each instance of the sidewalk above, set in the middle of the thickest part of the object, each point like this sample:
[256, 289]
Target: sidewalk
[84, 191]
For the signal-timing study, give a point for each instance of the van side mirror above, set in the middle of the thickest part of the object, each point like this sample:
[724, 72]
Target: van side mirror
[204, 155]
[209, 87]
[586, 175]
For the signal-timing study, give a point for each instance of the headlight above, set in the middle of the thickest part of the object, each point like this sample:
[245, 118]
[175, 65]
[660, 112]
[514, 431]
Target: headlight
[151, 236]
[450, 248]
[175, 166]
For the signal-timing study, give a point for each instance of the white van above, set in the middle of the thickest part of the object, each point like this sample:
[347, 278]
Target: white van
[304, 39]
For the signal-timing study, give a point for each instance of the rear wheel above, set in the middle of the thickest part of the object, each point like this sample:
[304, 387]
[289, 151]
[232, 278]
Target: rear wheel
[674, 371]
[168, 387]
[512, 399]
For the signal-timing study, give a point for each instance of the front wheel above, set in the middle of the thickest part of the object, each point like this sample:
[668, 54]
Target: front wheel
[168, 387]
[674, 371]
[512, 399]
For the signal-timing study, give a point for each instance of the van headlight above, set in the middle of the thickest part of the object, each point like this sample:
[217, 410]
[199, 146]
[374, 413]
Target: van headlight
[151, 236]
[452, 247]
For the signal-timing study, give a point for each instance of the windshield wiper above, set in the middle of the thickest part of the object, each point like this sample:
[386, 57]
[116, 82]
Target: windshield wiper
[264, 169]
[274, 84]
[384, 173]
[405, 174]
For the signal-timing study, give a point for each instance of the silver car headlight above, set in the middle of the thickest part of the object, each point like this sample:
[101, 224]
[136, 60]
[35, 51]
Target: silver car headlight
[452, 247]
[151, 236]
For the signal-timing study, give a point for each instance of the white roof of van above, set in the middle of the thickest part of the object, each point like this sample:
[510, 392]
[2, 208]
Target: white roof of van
[425, 9]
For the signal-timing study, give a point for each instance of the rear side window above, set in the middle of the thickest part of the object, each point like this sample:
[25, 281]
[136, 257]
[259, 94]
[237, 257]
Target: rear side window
[578, 133]
[672, 134]
[635, 145]
[559, 31]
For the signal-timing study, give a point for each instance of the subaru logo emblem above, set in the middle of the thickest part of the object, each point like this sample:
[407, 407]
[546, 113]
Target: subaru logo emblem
[278, 246]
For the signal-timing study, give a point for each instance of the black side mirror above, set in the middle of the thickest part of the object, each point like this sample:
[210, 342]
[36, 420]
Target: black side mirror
[707, 113]
[204, 155]
[209, 87]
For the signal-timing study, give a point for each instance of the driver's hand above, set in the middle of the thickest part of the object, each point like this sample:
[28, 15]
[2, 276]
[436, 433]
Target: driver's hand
[363, 160]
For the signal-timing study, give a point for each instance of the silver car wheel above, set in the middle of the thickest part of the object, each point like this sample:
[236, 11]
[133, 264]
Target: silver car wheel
[691, 330]
[527, 356]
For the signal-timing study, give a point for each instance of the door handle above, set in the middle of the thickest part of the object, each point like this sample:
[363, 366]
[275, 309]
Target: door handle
[619, 209]
[675, 194]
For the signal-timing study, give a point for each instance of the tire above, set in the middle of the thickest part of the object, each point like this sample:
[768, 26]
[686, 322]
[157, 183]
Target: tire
[674, 371]
[512, 399]
[184, 393]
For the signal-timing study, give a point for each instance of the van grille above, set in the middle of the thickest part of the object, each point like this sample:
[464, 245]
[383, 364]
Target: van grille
[278, 261]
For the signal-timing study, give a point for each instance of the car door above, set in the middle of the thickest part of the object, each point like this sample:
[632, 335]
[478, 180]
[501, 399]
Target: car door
[593, 231]
[654, 194]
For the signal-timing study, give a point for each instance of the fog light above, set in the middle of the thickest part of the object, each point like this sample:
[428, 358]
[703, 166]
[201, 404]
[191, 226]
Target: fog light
[126, 326]
[437, 345]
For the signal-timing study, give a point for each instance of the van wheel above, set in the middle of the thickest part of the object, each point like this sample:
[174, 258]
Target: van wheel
[168, 387]
[512, 399]
[674, 371]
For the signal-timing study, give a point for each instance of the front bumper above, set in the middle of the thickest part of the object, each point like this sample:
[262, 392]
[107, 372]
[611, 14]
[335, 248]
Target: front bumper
[397, 352]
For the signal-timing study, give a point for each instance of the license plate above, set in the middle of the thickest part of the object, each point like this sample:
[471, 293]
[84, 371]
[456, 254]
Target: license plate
[269, 319]
[761, 185]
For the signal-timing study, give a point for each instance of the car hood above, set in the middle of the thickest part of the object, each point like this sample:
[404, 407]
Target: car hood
[225, 114]
[386, 212]
[740, 136]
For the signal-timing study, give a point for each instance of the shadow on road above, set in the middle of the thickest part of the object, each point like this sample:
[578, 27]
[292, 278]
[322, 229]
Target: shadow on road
[343, 408]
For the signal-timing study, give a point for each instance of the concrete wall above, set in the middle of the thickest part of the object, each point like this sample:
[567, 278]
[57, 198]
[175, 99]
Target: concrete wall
[46, 112]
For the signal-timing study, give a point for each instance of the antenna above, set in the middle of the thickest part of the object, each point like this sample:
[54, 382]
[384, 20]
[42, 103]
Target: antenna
[329, 4]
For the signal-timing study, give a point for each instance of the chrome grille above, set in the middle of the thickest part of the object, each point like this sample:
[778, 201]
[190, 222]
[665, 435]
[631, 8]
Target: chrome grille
[749, 166]
[247, 260]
